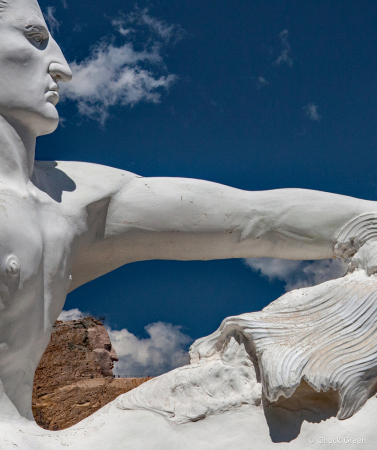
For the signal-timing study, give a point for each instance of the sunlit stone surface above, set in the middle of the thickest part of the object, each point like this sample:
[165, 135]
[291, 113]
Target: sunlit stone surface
[296, 375]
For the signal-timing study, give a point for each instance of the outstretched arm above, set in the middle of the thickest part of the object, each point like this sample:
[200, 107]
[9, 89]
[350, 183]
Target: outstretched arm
[185, 219]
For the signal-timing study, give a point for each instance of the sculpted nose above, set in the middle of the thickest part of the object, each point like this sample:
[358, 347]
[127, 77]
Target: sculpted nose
[114, 356]
[60, 72]
[58, 67]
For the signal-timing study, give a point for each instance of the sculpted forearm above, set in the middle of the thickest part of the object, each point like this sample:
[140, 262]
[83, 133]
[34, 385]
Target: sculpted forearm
[167, 218]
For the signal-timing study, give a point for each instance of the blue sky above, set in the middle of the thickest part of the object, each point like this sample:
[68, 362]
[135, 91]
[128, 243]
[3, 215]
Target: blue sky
[253, 94]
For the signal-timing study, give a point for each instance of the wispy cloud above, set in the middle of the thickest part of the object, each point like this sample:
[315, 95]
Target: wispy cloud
[284, 56]
[165, 349]
[120, 25]
[140, 18]
[72, 314]
[311, 110]
[120, 75]
[113, 76]
[298, 274]
[51, 21]
[65, 4]
[261, 82]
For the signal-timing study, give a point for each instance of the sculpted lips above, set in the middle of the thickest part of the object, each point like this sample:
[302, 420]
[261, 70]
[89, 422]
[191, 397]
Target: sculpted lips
[53, 94]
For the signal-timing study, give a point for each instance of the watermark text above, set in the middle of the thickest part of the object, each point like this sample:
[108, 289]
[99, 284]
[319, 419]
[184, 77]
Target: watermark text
[337, 440]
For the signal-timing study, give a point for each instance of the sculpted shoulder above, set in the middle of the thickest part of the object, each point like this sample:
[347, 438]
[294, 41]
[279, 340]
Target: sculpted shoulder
[79, 181]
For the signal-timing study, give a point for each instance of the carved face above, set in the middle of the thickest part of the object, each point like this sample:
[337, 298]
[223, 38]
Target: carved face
[106, 355]
[31, 64]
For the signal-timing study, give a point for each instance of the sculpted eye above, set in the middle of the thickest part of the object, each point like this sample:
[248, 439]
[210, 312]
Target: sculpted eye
[35, 35]
[37, 38]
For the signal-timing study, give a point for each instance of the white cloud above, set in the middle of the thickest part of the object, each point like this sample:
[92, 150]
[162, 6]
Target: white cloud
[298, 274]
[262, 82]
[119, 24]
[311, 110]
[72, 314]
[51, 21]
[284, 56]
[65, 4]
[119, 75]
[141, 18]
[164, 350]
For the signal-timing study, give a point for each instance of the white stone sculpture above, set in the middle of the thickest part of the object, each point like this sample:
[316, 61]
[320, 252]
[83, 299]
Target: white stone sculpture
[62, 224]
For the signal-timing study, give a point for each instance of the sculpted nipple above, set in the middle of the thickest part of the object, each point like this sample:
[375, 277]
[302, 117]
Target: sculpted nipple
[13, 265]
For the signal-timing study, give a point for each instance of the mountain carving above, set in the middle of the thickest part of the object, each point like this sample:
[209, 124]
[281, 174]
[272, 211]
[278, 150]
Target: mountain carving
[74, 377]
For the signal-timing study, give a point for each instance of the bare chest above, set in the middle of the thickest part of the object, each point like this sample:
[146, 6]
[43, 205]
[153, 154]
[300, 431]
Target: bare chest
[35, 246]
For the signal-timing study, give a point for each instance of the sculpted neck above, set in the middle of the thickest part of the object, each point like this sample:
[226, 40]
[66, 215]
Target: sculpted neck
[17, 153]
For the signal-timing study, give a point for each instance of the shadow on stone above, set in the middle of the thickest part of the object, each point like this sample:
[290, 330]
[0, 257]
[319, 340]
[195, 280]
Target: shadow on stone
[286, 415]
[51, 180]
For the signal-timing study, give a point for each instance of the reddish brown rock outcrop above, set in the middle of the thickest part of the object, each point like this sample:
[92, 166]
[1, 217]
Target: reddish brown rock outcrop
[74, 377]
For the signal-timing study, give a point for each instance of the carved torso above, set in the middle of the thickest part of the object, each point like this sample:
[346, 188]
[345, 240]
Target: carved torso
[42, 230]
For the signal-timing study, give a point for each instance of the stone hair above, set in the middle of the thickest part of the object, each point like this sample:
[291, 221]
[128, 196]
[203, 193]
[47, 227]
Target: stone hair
[3, 5]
